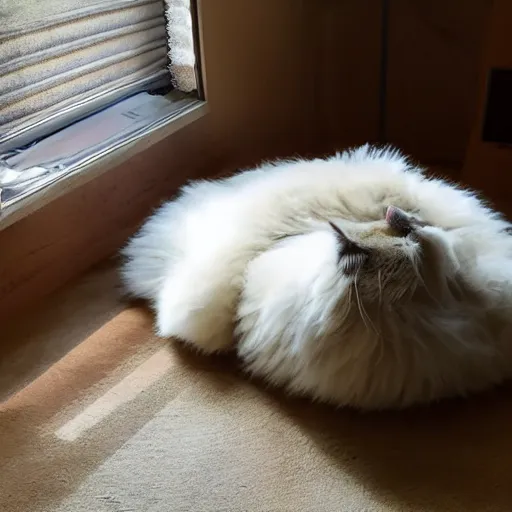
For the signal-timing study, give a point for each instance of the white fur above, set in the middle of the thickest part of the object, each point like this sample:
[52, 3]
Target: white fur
[252, 255]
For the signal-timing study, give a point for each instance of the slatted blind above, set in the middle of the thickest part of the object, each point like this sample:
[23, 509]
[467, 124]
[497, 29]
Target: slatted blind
[63, 59]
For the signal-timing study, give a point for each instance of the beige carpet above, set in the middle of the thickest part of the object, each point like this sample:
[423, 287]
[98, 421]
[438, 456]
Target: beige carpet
[102, 416]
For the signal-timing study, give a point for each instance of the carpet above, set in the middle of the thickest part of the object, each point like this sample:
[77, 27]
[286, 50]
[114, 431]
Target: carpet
[100, 415]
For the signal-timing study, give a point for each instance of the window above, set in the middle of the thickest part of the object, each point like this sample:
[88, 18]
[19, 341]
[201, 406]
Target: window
[81, 78]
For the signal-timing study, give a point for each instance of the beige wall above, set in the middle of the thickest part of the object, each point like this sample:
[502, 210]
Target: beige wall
[344, 68]
[435, 51]
[256, 77]
[434, 57]
[488, 166]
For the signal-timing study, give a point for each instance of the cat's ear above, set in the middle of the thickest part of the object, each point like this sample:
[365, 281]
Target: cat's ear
[350, 254]
[342, 237]
[348, 246]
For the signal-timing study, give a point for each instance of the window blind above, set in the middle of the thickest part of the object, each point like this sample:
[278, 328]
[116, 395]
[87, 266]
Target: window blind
[61, 60]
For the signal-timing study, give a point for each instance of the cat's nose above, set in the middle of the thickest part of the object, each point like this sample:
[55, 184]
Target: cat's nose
[395, 212]
[398, 220]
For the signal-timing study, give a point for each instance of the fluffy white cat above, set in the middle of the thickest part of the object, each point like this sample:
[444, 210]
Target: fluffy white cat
[353, 279]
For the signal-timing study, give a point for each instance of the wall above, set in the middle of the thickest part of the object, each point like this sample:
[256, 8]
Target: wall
[488, 166]
[343, 64]
[434, 55]
[434, 62]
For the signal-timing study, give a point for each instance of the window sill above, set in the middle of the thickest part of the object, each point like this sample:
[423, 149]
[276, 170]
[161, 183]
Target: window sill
[186, 111]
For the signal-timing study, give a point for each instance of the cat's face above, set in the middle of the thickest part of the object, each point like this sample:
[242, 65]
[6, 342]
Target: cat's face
[386, 261]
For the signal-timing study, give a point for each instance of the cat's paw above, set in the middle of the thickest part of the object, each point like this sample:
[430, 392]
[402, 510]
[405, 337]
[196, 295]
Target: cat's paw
[197, 328]
[199, 312]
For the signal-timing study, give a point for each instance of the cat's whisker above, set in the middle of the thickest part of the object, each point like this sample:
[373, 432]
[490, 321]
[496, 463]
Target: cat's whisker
[364, 315]
[426, 287]
[379, 281]
[379, 318]
[346, 310]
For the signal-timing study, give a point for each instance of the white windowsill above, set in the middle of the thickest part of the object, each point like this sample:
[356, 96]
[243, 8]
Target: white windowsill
[94, 167]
